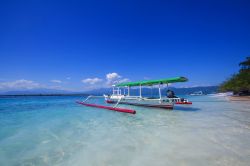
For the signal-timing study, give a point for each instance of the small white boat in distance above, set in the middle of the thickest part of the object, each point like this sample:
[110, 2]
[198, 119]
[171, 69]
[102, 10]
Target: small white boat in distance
[198, 93]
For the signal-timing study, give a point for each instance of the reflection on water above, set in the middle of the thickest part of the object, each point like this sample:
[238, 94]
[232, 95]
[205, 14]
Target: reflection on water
[57, 131]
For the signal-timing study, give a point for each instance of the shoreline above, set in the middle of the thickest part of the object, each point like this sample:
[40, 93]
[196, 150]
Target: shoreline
[239, 98]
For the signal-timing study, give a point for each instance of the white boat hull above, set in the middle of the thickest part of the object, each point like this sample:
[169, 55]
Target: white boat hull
[138, 101]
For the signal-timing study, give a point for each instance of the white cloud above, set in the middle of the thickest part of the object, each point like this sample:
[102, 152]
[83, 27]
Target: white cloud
[24, 84]
[56, 81]
[111, 76]
[114, 78]
[19, 84]
[92, 81]
[124, 80]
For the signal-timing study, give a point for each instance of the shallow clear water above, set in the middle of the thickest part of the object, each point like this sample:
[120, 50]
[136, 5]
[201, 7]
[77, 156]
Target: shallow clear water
[57, 131]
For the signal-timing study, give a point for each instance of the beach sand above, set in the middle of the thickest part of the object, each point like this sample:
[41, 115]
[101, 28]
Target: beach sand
[239, 98]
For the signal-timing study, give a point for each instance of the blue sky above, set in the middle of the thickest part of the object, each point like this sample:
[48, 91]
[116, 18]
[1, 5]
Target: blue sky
[79, 45]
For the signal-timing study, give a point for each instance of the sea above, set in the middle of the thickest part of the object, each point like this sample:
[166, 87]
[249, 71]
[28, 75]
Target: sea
[55, 130]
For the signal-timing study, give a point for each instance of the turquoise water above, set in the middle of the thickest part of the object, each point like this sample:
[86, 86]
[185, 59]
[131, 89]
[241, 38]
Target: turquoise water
[57, 131]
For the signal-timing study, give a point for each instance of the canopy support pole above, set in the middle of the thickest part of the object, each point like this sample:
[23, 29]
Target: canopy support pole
[118, 91]
[128, 91]
[160, 91]
[140, 91]
[151, 90]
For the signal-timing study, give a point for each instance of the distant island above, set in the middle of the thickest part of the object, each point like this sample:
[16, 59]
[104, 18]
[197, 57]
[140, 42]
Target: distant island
[239, 83]
[146, 91]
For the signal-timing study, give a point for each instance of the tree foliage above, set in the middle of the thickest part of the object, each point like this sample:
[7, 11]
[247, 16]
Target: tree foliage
[240, 81]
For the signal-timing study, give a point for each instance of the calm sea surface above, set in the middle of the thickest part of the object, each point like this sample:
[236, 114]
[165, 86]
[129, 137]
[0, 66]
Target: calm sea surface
[57, 131]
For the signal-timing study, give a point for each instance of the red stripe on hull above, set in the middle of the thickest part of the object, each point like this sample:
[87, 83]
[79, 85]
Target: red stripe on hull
[124, 110]
[183, 102]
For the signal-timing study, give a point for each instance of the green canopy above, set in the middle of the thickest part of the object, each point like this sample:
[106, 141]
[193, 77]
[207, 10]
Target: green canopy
[153, 82]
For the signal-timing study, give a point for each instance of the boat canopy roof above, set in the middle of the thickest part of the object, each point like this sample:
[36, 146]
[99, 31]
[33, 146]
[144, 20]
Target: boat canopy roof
[153, 82]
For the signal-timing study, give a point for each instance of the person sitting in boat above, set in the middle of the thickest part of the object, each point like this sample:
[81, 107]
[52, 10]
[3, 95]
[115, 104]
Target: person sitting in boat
[170, 94]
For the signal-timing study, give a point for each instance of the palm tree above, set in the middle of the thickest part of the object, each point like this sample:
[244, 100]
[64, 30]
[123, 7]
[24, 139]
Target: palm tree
[245, 64]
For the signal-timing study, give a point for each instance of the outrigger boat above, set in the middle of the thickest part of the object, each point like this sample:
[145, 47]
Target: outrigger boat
[161, 102]
[118, 98]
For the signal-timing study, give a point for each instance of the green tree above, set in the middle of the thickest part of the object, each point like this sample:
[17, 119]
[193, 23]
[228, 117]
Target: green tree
[239, 82]
[245, 65]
